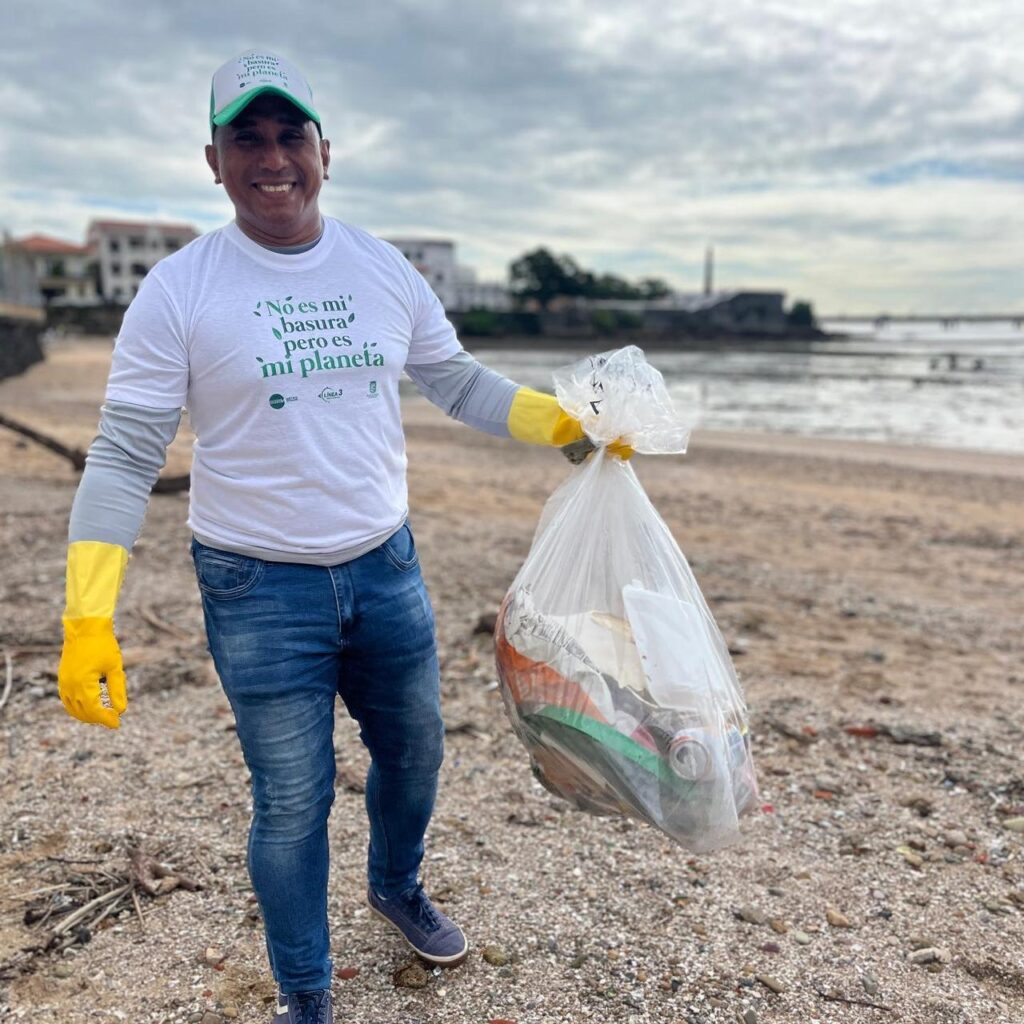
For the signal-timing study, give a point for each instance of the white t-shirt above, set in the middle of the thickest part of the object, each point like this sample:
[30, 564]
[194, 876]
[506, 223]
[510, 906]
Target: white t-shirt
[289, 368]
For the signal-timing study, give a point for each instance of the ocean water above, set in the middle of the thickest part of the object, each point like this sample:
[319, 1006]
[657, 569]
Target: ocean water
[923, 383]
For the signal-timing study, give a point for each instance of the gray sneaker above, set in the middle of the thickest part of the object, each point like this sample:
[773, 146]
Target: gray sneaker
[304, 1008]
[434, 936]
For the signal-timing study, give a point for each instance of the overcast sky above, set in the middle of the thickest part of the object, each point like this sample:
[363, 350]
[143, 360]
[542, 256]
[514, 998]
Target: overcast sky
[867, 155]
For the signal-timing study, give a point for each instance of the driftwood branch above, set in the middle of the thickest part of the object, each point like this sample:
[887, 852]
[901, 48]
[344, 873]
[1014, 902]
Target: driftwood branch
[163, 485]
[75, 455]
[836, 997]
[172, 484]
[8, 678]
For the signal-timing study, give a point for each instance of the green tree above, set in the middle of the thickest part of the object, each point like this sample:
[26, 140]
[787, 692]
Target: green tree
[543, 276]
[801, 314]
[654, 288]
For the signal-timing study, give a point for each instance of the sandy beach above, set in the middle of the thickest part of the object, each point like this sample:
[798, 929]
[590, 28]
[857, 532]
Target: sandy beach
[872, 596]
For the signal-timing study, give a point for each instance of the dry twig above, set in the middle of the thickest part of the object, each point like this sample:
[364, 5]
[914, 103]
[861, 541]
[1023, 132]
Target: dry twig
[154, 620]
[835, 997]
[8, 678]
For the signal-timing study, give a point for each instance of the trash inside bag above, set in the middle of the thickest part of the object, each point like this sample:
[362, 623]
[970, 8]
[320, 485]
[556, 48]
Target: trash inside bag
[612, 669]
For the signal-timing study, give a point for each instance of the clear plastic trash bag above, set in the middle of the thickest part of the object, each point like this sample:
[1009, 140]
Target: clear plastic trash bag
[612, 669]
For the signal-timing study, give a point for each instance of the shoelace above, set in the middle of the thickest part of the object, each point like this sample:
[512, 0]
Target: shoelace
[312, 1007]
[422, 910]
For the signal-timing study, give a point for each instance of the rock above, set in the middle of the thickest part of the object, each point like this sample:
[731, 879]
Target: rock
[748, 1016]
[915, 860]
[347, 973]
[922, 805]
[752, 915]
[229, 1011]
[772, 984]
[1014, 824]
[62, 971]
[998, 907]
[213, 956]
[828, 784]
[210, 1018]
[912, 735]
[870, 984]
[836, 918]
[955, 838]
[801, 938]
[485, 623]
[921, 942]
[931, 955]
[771, 947]
[410, 976]
[495, 956]
[778, 926]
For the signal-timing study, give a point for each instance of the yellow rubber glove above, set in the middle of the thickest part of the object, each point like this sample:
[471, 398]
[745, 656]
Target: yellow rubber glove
[95, 573]
[537, 418]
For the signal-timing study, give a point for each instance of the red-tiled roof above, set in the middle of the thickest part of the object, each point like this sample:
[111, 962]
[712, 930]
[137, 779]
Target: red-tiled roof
[47, 244]
[141, 225]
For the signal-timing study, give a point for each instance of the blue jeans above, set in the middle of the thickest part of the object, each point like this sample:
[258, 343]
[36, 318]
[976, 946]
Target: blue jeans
[285, 639]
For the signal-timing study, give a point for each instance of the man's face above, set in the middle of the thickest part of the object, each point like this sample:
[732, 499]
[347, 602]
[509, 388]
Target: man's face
[272, 162]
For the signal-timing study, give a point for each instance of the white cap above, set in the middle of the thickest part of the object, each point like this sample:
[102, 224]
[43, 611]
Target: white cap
[237, 83]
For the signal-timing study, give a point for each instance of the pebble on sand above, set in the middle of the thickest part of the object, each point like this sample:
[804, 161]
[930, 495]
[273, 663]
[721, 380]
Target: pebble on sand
[495, 956]
[411, 976]
[931, 955]
[772, 984]
[836, 918]
[752, 915]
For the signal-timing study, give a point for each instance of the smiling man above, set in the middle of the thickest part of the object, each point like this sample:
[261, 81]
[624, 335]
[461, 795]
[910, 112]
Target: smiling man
[285, 334]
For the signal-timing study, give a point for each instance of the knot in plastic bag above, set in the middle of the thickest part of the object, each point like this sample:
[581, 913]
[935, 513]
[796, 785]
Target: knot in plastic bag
[618, 395]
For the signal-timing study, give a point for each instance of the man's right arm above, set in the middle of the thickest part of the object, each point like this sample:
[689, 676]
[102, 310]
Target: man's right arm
[121, 467]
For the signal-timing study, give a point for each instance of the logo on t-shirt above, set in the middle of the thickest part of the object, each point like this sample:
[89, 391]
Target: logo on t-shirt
[329, 394]
[278, 401]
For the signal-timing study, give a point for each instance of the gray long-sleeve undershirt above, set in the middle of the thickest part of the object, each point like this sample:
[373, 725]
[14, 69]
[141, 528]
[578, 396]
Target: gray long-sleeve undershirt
[125, 459]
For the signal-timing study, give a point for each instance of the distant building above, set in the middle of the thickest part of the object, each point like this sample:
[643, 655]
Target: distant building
[456, 286]
[735, 312]
[732, 313]
[22, 317]
[473, 294]
[19, 287]
[64, 271]
[434, 258]
[126, 251]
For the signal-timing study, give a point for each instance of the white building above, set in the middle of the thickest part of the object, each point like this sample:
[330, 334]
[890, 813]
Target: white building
[126, 251]
[456, 286]
[473, 294]
[63, 270]
[434, 258]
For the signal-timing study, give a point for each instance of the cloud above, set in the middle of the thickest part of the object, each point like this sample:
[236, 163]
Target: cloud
[812, 143]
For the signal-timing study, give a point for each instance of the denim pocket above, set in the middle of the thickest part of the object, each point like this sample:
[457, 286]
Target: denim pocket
[225, 574]
[400, 550]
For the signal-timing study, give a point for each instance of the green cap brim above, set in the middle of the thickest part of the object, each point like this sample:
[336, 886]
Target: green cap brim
[233, 109]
